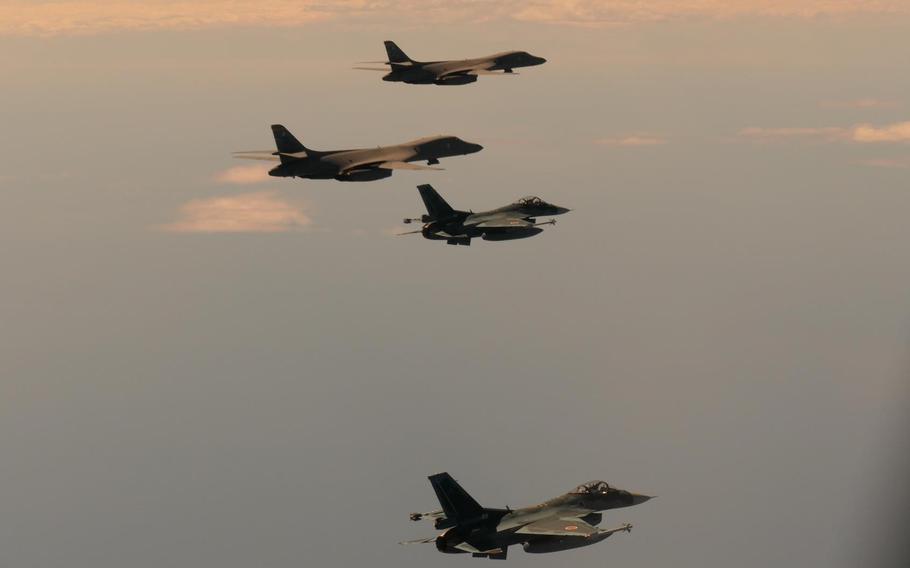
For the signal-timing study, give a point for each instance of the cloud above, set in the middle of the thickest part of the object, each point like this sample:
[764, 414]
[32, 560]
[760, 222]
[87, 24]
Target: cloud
[825, 134]
[633, 140]
[620, 12]
[259, 212]
[898, 132]
[83, 17]
[859, 103]
[78, 17]
[244, 174]
[861, 133]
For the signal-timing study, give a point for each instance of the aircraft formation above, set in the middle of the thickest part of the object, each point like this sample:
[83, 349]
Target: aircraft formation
[514, 221]
[564, 522]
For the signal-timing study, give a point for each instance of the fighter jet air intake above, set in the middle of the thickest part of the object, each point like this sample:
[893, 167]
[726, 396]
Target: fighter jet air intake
[403, 69]
[363, 164]
[564, 522]
[514, 221]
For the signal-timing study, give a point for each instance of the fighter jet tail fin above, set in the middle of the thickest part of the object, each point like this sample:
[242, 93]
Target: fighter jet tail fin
[288, 144]
[437, 207]
[456, 503]
[397, 58]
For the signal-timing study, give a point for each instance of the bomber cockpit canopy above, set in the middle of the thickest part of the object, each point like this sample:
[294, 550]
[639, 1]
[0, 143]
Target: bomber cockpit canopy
[531, 201]
[592, 487]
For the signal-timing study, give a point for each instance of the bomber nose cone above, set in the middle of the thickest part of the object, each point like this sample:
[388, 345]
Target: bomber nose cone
[472, 148]
[539, 61]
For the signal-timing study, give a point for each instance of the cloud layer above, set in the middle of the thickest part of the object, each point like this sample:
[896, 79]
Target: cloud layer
[859, 103]
[244, 174]
[633, 140]
[67, 17]
[258, 212]
[860, 133]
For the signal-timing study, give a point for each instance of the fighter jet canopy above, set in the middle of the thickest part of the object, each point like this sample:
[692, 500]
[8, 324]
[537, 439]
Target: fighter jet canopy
[531, 201]
[592, 487]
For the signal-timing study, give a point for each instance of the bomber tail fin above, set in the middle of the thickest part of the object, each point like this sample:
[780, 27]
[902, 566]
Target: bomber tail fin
[288, 144]
[456, 503]
[436, 206]
[397, 58]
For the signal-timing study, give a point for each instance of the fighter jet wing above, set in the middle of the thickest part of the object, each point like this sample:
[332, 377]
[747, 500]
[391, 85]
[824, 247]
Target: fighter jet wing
[559, 526]
[497, 221]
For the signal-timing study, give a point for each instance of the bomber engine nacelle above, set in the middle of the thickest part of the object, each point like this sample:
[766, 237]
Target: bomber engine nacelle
[456, 80]
[366, 175]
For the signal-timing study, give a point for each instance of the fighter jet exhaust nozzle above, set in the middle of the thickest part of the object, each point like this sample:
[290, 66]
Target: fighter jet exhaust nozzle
[447, 541]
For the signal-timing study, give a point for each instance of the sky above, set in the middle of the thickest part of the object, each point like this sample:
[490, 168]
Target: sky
[204, 366]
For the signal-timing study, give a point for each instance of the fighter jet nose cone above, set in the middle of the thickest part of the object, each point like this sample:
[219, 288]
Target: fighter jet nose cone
[474, 148]
[639, 499]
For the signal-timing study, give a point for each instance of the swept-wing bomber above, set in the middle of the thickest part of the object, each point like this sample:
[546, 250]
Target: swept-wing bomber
[403, 69]
[562, 523]
[363, 164]
[514, 221]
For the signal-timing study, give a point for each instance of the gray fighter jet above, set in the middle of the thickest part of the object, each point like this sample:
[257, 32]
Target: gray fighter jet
[365, 164]
[459, 72]
[565, 522]
[514, 221]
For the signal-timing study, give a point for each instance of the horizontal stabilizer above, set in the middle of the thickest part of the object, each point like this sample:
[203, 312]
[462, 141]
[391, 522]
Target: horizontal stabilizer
[267, 158]
[296, 155]
[419, 540]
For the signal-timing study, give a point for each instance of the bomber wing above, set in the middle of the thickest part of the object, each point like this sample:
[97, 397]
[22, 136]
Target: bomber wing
[396, 165]
[387, 165]
[482, 67]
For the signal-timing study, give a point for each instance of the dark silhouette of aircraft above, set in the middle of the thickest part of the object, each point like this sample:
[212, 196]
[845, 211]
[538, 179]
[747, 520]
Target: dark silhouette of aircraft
[562, 523]
[457, 72]
[514, 221]
[363, 164]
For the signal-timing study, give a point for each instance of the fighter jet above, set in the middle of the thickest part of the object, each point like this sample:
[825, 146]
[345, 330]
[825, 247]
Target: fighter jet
[514, 221]
[365, 164]
[565, 522]
[459, 72]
